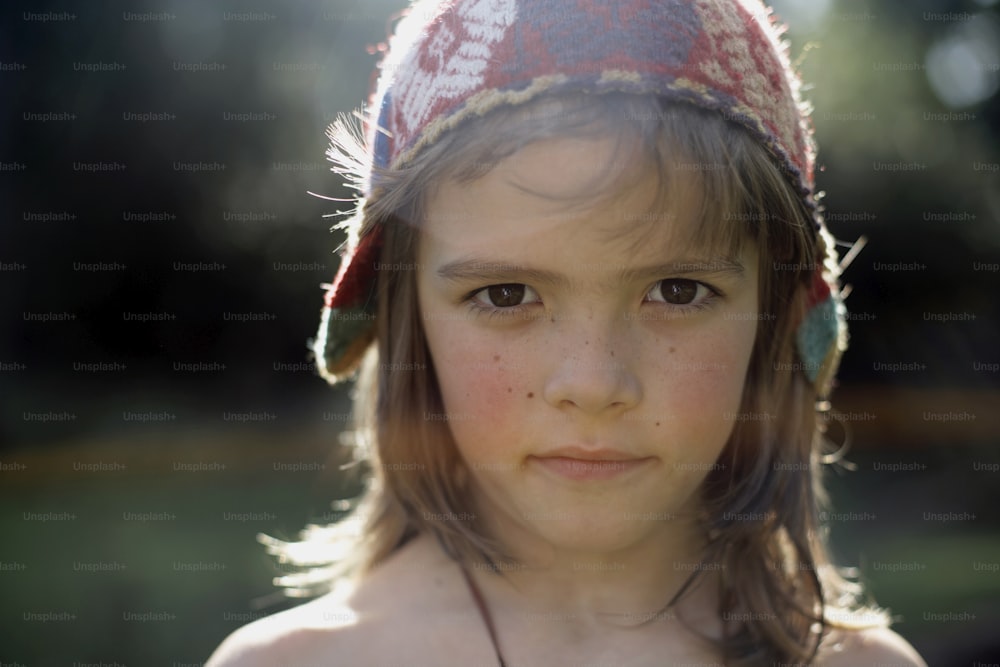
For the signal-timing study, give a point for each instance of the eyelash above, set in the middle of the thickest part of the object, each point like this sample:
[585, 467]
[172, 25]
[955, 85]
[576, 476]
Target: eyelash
[690, 308]
[477, 308]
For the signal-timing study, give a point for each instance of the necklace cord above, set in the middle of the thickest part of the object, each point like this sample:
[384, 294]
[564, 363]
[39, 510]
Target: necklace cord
[484, 611]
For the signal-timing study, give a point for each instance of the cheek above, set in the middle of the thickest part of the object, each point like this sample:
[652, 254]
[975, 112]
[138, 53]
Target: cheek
[701, 380]
[481, 384]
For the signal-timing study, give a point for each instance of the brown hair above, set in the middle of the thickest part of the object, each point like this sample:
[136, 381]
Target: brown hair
[761, 502]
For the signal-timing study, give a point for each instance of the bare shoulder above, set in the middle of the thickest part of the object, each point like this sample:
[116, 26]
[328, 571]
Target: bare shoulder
[867, 648]
[406, 610]
[293, 637]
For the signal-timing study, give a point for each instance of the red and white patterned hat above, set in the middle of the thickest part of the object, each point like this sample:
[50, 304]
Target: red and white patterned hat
[454, 60]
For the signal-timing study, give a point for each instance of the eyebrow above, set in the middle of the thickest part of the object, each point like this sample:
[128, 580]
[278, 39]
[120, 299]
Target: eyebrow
[498, 271]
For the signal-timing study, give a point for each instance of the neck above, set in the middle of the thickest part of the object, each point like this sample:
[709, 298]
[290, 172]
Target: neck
[627, 584]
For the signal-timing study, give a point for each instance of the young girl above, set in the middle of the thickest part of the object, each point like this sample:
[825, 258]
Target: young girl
[597, 317]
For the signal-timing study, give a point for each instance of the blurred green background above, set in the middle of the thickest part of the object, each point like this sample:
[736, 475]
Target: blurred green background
[138, 460]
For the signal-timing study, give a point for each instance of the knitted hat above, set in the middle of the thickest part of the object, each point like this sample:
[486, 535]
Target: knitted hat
[452, 60]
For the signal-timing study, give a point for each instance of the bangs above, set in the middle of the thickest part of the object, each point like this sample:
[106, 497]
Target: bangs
[716, 186]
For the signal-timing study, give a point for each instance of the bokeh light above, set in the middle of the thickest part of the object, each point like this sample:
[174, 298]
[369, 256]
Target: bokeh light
[963, 66]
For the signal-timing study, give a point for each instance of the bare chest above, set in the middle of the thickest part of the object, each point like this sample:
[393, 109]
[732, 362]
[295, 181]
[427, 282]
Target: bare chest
[461, 640]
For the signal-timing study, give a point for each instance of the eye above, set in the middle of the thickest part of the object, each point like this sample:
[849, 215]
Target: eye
[680, 292]
[508, 295]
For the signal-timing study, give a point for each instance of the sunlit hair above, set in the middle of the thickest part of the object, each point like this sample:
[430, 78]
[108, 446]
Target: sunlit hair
[761, 503]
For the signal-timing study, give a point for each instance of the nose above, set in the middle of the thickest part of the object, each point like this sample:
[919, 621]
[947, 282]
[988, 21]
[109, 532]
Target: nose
[592, 368]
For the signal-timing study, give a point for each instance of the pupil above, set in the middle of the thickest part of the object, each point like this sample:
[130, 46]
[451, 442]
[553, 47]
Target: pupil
[506, 295]
[679, 291]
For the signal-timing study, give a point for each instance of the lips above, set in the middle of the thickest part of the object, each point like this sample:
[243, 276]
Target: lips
[590, 454]
[590, 464]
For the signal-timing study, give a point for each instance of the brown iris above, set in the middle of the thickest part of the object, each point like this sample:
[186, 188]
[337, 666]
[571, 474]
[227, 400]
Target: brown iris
[678, 292]
[506, 296]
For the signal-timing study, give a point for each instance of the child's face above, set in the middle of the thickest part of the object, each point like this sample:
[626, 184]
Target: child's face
[579, 346]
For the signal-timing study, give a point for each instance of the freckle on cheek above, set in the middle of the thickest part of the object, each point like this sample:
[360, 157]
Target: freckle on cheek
[531, 394]
[510, 389]
[496, 357]
[672, 350]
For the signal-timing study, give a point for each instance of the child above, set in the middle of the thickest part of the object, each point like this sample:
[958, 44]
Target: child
[597, 317]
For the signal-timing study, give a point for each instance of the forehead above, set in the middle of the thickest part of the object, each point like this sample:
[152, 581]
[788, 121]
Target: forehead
[607, 190]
